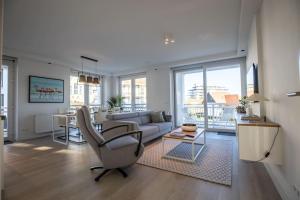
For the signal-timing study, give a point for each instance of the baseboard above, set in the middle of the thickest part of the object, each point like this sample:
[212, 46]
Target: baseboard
[283, 187]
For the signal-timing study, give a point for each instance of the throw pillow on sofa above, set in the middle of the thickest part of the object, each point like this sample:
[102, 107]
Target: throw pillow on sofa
[157, 117]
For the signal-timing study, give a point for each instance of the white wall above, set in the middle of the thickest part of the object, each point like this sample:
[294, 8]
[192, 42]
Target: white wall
[158, 89]
[107, 87]
[26, 111]
[252, 56]
[279, 56]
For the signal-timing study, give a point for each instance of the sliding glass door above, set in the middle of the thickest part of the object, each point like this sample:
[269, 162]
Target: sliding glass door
[190, 99]
[4, 98]
[207, 96]
[223, 94]
[7, 76]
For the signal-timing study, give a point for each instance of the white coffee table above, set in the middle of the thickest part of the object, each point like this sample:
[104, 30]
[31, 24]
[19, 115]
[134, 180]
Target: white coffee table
[192, 140]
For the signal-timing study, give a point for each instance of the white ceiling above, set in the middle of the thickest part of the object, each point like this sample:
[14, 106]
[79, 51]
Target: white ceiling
[125, 34]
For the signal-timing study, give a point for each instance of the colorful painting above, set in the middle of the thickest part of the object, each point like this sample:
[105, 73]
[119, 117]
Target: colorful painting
[45, 90]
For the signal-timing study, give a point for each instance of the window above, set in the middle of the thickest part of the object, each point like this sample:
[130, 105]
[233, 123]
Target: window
[94, 95]
[76, 92]
[133, 91]
[140, 91]
[84, 94]
[126, 91]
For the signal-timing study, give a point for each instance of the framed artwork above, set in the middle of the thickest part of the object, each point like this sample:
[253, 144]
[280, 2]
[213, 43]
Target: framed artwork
[45, 90]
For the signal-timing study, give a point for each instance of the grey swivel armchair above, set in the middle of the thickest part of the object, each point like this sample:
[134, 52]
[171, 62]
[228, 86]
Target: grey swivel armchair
[117, 152]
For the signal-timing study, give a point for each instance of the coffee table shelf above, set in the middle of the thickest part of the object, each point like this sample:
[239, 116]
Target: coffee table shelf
[191, 140]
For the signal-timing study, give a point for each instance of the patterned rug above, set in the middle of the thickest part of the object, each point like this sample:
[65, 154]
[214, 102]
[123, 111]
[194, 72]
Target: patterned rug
[214, 163]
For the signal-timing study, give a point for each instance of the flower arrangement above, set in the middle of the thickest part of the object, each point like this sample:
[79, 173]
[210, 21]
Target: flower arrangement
[243, 104]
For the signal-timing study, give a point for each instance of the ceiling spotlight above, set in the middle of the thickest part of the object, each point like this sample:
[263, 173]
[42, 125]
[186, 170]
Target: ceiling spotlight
[168, 38]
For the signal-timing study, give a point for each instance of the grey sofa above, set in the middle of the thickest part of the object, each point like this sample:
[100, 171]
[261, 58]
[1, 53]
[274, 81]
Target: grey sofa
[140, 121]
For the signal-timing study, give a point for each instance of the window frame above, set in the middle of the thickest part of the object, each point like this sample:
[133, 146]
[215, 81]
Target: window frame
[132, 78]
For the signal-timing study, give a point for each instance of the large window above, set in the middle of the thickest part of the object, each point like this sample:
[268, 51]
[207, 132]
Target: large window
[133, 91]
[84, 94]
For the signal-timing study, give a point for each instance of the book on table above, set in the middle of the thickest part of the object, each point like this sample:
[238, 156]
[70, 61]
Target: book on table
[181, 134]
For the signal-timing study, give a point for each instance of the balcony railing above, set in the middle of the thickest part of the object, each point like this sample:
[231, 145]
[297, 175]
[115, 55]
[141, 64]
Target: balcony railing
[219, 115]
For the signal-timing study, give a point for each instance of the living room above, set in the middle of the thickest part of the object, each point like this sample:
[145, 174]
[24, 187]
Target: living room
[177, 76]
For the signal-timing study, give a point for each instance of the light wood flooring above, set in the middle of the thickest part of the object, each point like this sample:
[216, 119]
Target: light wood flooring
[43, 170]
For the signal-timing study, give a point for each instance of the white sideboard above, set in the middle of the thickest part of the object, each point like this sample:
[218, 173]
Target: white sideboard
[255, 139]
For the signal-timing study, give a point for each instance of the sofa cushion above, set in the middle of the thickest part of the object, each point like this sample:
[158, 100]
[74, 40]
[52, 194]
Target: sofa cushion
[149, 130]
[144, 113]
[134, 119]
[145, 117]
[122, 142]
[119, 116]
[157, 117]
[164, 126]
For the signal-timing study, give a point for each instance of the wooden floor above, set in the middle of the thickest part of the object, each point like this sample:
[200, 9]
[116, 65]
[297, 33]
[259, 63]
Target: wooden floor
[40, 169]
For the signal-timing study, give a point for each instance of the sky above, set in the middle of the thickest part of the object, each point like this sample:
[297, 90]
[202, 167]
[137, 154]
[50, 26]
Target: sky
[228, 78]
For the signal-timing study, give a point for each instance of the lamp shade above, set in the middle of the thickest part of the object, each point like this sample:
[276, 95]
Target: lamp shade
[96, 80]
[257, 97]
[82, 78]
[89, 79]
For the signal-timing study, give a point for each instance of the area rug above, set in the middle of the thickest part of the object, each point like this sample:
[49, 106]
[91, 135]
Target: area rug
[214, 163]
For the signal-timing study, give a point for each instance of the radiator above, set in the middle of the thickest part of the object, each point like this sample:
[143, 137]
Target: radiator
[43, 123]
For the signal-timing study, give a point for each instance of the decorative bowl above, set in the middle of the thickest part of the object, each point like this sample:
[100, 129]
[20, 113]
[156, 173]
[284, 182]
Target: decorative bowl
[189, 127]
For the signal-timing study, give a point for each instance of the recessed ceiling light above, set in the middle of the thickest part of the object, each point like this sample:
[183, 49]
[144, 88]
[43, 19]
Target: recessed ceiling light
[168, 39]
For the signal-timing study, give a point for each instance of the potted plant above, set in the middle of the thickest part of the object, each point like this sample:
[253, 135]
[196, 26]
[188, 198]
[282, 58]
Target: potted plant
[243, 104]
[115, 103]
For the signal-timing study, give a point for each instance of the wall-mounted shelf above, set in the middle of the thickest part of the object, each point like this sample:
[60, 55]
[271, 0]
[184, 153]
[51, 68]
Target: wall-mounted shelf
[256, 138]
[293, 94]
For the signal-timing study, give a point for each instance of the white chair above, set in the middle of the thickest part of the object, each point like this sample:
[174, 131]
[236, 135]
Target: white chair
[227, 115]
[69, 122]
[100, 117]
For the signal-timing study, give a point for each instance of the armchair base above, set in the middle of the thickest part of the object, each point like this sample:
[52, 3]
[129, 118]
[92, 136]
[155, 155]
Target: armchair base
[107, 170]
[96, 167]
